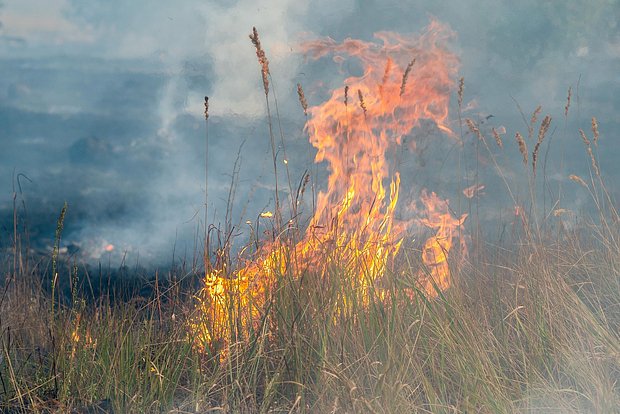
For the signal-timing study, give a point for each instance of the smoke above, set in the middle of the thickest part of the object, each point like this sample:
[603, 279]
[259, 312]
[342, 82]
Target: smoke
[101, 102]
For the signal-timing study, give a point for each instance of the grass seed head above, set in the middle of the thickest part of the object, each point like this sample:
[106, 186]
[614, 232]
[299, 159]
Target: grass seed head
[570, 92]
[544, 127]
[474, 128]
[262, 59]
[584, 138]
[498, 139]
[522, 146]
[460, 93]
[594, 163]
[533, 120]
[595, 130]
[403, 83]
[360, 95]
[578, 180]
[302, 99]
[304, 184]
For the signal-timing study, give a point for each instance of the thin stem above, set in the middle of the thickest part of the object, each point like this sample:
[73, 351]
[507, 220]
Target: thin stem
[207, 260]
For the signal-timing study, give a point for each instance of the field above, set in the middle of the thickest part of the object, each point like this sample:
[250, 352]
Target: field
[327, 315]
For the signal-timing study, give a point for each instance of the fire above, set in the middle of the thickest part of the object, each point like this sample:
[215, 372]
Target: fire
[435, 251]
[356, 133]
[84, 339]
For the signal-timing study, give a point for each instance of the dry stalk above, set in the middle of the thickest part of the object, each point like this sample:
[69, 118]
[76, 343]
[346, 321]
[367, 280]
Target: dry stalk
[544, 127]
[533, 121]
[588, 145]
[474, 129]
[578, 180]
[304, 184]
[207, 260]
[460, 93]
[262, 59]
[302, 99]
[403, 83]
[264, 64]
[595, 130]
[570, 92]
[362, 103]
[594, 163]
[584, 138]
[346, 95]
[498, 139]
[386, 75]
[522, 146]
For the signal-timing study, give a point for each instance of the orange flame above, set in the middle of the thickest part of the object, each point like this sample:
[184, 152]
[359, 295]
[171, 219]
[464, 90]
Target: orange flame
[436, 248]
[405, 80]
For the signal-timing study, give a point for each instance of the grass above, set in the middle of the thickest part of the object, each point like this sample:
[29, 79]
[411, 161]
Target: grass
[529, 325]
[533, 329]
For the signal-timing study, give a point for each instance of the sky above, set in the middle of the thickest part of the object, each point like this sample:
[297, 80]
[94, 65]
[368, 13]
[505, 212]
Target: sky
[101, 104]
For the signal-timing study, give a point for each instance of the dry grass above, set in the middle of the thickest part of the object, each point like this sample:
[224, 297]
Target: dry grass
[262, 59]
[498, 139]
[595, 130]
[403, 83]
[544, 127]
[522, 146]
[588, 145]
[533, 121]
[360, 95]
[461, 91]
[568, 98]
[531, 327]
[302, 99]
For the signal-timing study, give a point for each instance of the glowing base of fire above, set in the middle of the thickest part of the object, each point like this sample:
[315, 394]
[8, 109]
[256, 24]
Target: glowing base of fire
[228, 303]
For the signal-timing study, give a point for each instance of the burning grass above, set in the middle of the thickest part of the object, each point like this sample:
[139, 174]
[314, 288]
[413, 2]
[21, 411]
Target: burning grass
[350, 314]
[354, 225]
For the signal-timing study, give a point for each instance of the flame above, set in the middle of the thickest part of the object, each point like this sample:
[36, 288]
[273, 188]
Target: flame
[436, 248]
[405, 80]
[80, 338]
